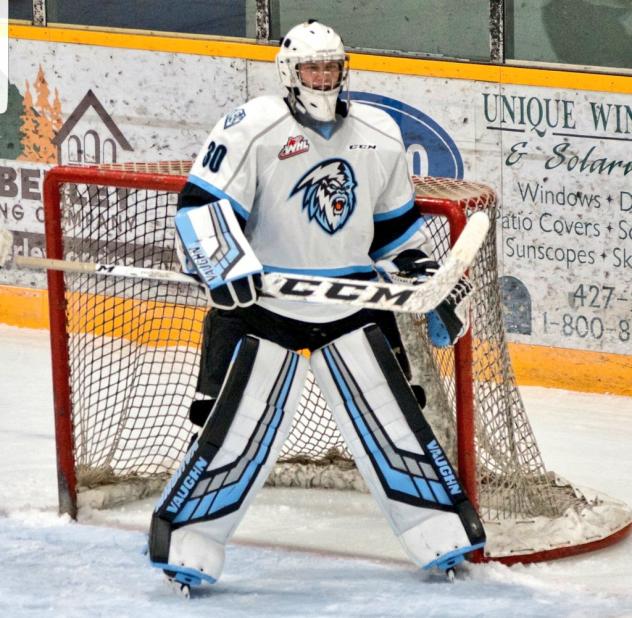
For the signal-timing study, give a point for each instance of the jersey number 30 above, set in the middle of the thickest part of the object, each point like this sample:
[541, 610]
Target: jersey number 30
[214, 156]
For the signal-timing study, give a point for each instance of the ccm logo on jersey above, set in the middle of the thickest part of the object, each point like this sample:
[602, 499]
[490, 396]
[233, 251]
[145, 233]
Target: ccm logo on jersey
[362, 147]
[294, 146]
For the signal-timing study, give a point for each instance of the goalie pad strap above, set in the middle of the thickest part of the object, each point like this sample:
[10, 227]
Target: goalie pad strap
[408, 403]
[238, 445]
[234, 385]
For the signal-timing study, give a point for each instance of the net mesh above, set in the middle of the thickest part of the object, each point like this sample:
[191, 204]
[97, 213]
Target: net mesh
[134, 347]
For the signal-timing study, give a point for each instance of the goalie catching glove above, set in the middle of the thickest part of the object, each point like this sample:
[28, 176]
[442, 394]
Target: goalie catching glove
[211, 246]
[451, 319]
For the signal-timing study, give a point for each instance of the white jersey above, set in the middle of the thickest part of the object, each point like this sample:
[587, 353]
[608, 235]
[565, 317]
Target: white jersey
[311, 203]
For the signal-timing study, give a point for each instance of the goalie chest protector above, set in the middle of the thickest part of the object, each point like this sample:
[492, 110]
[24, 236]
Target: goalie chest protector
[310, 202]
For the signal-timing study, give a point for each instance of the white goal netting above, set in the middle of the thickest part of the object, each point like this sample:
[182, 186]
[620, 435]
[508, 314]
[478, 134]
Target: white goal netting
[132, 356]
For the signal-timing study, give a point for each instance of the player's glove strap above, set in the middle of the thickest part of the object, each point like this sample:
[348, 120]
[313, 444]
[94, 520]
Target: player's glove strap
[451, 319]
[239, 293]
[411, 267]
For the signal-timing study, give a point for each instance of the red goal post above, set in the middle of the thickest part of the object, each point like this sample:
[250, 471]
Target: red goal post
[110, 427]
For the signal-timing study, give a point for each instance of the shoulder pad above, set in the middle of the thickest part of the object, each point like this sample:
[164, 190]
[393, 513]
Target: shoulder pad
[375, 117]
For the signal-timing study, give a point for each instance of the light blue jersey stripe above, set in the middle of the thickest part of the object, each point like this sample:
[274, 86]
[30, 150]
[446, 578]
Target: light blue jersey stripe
[319, 272]
[392, 214]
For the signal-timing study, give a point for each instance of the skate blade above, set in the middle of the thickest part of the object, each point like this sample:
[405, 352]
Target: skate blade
[449, 561]
[178, 588]
[181, 579]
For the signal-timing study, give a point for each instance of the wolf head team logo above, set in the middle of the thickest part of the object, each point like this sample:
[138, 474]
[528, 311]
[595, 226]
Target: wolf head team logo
[329, 193]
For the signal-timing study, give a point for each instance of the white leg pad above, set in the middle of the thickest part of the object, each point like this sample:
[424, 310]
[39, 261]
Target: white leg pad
[438, 533]
[394, 448]
[227, 465]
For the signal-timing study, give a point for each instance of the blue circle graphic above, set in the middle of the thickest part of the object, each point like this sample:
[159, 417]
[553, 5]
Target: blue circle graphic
[418, 129]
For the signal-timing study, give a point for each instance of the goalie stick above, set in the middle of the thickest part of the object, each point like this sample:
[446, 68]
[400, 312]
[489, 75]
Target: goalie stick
[420, 298]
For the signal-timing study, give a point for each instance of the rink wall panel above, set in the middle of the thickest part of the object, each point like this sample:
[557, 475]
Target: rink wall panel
[554, 144]
[575, 370]
[144, 322]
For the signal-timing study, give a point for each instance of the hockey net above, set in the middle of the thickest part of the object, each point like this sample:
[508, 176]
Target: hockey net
[125, 361]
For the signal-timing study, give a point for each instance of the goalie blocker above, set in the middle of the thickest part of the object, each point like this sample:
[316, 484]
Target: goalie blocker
[211, 245]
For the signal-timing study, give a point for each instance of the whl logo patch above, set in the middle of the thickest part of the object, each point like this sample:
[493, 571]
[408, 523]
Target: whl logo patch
[294, 146]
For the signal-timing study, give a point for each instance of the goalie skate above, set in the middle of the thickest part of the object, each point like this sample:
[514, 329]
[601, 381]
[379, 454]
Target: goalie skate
[194, 558]
[448, 562]
[182, 590]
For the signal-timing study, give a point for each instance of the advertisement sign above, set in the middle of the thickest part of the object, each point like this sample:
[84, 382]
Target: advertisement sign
[566, 223]
[559, 159]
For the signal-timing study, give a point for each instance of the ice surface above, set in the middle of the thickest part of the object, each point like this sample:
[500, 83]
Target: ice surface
[51, 566]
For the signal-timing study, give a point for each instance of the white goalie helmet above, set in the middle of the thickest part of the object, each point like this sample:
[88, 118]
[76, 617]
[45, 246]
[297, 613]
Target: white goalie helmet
[313, 67]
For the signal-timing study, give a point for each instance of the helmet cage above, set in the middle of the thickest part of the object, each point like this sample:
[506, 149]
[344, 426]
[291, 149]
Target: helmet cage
[318, 98]
[320, 74]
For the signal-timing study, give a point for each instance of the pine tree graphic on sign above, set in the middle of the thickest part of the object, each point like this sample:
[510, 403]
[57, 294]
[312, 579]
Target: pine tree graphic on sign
[47, 151]
[28, 128]
[10, 136]
[41, 120]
